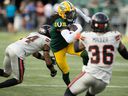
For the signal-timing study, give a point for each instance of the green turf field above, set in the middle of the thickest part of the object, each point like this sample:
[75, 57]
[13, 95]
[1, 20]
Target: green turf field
[37, 81]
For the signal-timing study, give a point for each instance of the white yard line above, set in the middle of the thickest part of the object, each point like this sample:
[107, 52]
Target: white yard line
[114, 69]
[59, 76]
[63, 86]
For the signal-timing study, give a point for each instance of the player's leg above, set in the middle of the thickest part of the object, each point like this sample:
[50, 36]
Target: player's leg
[98, 87]
[17, 70]
[82, 54]
[80, 84]
[6, 71]
[60, 57]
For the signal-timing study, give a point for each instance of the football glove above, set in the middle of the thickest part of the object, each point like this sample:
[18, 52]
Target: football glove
[53, 73]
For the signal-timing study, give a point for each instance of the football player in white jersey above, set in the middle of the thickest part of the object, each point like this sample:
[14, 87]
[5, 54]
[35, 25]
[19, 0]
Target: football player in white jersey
[16, 52]
[101, 45]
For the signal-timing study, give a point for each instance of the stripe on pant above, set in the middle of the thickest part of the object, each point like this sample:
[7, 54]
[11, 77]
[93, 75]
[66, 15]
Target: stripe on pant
[21, 69]
[74, 80]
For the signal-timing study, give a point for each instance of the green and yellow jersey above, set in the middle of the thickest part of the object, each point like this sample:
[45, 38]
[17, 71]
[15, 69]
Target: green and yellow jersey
[57, 41]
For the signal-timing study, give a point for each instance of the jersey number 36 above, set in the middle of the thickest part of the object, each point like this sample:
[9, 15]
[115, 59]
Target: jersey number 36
[107, 56]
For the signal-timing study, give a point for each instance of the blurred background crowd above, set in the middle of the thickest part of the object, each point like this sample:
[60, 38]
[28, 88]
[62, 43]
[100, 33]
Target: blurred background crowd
[19, 15]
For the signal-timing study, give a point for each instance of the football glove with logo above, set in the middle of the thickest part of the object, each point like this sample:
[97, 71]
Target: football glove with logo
[53, 73]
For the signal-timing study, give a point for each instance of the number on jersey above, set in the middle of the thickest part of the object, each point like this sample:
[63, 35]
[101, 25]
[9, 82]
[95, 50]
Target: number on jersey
[31, 39]
[105, 54]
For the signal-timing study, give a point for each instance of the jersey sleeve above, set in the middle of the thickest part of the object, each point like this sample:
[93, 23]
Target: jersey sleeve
[60, 24]
[84, 16]
[117, 38]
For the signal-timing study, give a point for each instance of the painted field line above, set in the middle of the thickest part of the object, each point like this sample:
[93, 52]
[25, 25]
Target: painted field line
[63, 86]
[114, 69]
[59, 76]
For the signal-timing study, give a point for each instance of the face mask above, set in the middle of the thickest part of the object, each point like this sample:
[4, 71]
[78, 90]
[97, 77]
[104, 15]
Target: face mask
[70, 16]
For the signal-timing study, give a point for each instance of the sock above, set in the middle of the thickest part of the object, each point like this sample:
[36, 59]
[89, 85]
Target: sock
[68, 93]
[88, 94]
[8, 83]
[84, 56]
[1, 72]
[66, 78]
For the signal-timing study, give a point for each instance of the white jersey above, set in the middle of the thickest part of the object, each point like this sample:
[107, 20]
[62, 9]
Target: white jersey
[101, 50]
[32, 43]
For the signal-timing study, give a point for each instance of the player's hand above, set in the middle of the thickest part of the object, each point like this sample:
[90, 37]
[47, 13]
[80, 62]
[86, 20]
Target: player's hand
[53, 73]
[78, 36]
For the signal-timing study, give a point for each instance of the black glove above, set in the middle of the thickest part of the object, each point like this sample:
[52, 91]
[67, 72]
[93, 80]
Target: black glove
[53, 73]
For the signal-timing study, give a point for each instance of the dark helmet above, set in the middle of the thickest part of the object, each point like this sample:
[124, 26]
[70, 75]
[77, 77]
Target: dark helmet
[45, 30]
[100, 22]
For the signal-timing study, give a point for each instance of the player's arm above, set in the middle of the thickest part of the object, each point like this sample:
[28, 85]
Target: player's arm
[78, 46]
[38, 55]
[84, 16]
[49, 63]
[123, 51]
[69, 35]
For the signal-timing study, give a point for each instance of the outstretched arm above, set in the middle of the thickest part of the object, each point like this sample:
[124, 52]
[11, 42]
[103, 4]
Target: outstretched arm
[47, 58]
[123, 51]
[46, 50]
[41, 57]
[69, 34]
[84, 16]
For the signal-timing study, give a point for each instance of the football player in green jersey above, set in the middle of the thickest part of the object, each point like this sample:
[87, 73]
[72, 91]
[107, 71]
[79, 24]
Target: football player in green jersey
[62, 37]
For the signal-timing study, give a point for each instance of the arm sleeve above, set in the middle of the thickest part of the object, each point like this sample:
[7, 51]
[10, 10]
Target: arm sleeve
[85, 17]
[69, 36]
